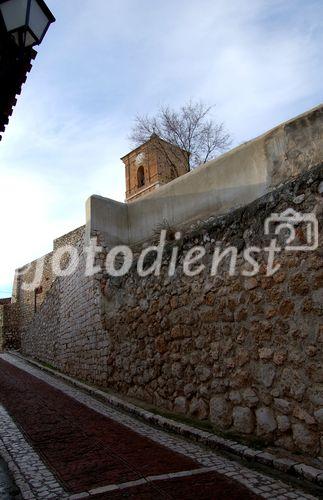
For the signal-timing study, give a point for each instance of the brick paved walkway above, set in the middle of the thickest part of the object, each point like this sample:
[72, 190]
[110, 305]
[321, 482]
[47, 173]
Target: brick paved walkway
[85, 449]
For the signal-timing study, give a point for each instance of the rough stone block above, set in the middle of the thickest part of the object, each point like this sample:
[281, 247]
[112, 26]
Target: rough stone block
[266, 422]
[243, 420]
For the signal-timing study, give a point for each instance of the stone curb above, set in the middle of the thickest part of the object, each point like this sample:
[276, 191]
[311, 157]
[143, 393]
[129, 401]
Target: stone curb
[212, 441]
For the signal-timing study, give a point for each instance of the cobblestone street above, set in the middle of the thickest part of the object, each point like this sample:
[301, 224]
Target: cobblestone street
[62, 443]
[8, 489]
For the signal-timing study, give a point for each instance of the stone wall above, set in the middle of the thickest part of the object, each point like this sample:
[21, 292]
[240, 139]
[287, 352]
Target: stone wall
[71, 238]
[26, 302]
[67, 330]
[8, 325]
[1, 327]
[244, 353]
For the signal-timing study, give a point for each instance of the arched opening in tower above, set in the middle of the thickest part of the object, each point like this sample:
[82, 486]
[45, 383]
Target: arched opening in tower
[141, 176]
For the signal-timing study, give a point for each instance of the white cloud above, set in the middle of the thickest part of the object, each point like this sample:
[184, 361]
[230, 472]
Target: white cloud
[26, 221]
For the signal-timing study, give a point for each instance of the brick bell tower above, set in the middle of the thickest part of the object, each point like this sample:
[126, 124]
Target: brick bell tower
[154, 163]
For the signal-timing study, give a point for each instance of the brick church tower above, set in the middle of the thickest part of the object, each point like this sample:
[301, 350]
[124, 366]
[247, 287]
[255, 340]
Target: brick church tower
[151, 165]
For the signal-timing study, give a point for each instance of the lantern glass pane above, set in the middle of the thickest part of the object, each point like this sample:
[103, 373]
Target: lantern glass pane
[38, 21]
[30, 39]
[14, 13]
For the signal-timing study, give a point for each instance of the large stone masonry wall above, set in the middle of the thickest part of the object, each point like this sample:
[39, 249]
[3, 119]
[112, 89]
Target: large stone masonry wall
[8, 325]
[67, 330]
[1, 326]
[244, 353]
[25, 303]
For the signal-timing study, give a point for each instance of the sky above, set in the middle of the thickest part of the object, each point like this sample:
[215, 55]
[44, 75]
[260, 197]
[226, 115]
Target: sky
[259, 62]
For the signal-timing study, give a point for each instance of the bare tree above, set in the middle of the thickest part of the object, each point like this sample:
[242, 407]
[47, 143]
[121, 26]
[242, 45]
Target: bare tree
[196, 137]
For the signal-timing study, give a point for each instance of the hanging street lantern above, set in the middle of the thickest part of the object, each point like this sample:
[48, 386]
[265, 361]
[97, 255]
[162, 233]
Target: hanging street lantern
[26, 20]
